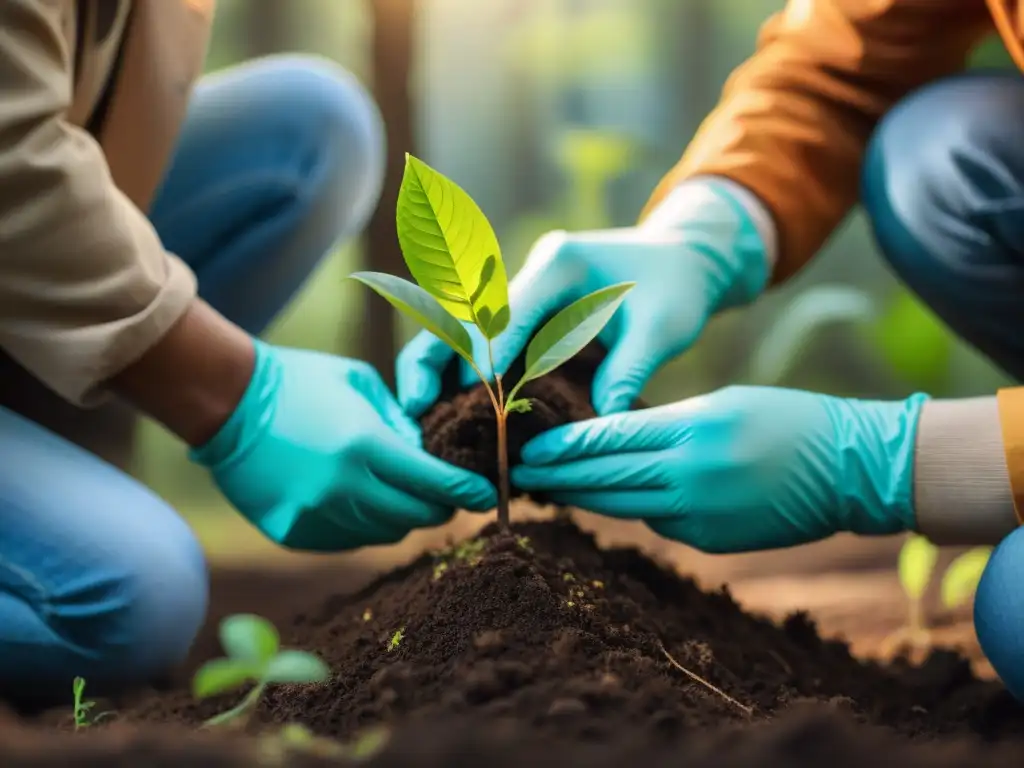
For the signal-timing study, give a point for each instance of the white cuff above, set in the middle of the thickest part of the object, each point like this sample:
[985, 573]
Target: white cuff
[677, 205]
[962, 490]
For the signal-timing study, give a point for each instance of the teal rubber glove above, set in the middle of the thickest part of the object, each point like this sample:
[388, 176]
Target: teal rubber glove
[319, 456]
[701, 254]
[743, 468]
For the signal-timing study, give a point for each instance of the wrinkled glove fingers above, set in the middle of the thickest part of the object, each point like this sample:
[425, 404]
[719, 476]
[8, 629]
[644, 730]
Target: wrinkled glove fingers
[429, 478]
[644, 431]
[605, 473]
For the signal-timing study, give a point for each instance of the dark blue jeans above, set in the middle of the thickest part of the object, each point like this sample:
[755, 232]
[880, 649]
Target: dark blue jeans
[279, 160]
[943, 185]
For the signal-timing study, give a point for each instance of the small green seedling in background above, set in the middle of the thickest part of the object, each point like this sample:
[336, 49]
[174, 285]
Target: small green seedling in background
[961, 578]
[254, 656]
[453, 254]
[294, 738]
[83, 707]
[396, 639]
[916, 567]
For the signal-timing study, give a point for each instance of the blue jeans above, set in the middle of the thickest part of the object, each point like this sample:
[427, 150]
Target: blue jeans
[943, 186]
[279, 160]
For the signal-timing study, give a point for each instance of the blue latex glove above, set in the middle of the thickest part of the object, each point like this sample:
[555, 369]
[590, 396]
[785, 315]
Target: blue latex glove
[743, 468]
[319, 456]
[698, 253]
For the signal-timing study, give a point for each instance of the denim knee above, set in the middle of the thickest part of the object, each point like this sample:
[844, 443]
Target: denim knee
[999, 612]
[99, 577]
[941, 171]
[943, 187]
[343, 128]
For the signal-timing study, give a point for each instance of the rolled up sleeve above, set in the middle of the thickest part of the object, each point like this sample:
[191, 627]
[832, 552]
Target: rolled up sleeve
[86, 287]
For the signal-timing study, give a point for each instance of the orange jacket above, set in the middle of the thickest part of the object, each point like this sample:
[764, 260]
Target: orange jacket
[794, 120]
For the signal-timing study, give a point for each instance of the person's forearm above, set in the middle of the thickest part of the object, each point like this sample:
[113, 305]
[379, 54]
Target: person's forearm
[962, 492]
[194, 377]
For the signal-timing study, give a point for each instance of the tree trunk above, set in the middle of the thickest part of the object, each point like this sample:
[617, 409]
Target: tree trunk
[394, 23]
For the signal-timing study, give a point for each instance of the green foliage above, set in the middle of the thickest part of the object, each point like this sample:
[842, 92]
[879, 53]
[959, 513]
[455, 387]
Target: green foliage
[453, 254]
[419, 305]
[570, 330]
[254, 656]
[916, 562]
[451, 249]
[962, 576]
[914, 343]
[82, 707]
[396, 639]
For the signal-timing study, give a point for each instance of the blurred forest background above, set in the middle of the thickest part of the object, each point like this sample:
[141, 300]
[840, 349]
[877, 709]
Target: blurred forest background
[564, 114]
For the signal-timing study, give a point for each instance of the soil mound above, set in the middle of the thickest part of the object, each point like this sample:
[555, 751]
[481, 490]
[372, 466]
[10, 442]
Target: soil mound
[536, 647]
[541, 628]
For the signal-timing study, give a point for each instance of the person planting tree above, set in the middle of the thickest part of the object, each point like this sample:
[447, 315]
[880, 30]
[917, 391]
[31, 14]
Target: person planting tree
[149, 232]
[843, 100]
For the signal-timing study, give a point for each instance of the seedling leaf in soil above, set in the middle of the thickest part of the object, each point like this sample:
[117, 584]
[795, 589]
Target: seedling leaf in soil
[253, 656]
[961, 578]
[915, 566]
[453, 254]
[396, 639]
[82, 707]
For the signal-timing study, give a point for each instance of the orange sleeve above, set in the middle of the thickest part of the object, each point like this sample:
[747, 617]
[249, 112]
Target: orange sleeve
[793, 121]
[1011, 417]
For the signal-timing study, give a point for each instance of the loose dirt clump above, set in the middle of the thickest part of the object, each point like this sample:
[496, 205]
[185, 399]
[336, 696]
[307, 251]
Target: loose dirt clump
[536, 647]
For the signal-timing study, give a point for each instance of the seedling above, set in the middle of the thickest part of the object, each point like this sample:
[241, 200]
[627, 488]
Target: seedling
[916, 563]
[396, 639]
[254, 656]
[453, 255]
[916, 567]
[82, 707]
[961, 578]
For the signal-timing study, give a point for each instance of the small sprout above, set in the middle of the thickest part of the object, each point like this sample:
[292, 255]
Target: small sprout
[367, 615]
[915, 566]
[454, 256]
[597, 584]
[570, 603]
[439, 569]
[396, 639]
[470, 551]
[567, 577]
[296, 738]
[523, 542]
[253, 657]
[368, 744]
[962, 576]
[83, 707]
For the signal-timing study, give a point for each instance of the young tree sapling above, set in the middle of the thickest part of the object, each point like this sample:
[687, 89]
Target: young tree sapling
[254, 656]
[454, 257]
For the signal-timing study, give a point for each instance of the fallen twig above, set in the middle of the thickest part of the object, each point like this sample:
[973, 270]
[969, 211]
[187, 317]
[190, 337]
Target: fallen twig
[697, 678]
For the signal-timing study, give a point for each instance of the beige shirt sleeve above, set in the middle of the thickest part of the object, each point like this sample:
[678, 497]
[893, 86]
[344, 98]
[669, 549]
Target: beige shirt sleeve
[86, 286]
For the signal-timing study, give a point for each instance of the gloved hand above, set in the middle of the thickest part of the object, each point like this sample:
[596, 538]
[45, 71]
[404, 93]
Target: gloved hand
[319, 456]
[698, 253]
[743, 468]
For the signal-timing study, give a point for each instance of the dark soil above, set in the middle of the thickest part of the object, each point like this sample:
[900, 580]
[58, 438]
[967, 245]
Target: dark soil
[462, 430]
[538, 648]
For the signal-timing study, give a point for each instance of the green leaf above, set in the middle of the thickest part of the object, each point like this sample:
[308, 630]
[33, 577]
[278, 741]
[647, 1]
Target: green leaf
[222, 675]
[451, 249]
[411, 300]
[522, 405]
[916, 563]
[247, 637]
[570, 330]
[961, 578]
[295, 667]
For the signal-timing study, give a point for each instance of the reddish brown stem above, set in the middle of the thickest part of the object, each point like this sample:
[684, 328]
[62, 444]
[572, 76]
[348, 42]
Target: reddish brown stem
[503, 483]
